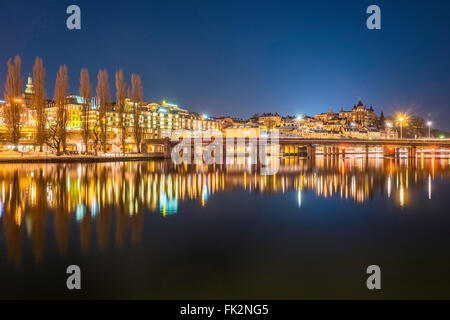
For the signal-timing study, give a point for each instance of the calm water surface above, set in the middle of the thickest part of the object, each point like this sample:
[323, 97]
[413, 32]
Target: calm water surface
[156, 230]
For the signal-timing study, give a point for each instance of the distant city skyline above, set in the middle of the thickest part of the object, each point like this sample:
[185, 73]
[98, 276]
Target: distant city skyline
[241, 58]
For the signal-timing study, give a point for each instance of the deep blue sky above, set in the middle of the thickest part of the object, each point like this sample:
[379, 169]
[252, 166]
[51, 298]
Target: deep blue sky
[243, 57]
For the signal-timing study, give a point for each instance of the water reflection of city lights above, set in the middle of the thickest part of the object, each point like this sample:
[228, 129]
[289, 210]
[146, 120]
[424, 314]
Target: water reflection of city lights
[18, 216]
[429, 186]
[80, 212]
[131, 190]
[402, 196]
[167, 206]
[389, 186]
[94, 208]
[204, 194]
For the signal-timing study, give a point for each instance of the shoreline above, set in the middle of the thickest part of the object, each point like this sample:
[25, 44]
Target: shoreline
[79, 159]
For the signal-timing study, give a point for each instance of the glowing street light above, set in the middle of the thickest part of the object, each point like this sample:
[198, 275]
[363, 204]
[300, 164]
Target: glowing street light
[401, 119]
[429, 123]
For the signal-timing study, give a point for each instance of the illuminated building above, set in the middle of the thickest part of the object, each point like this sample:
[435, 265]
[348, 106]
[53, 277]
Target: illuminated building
[324, 117]
[360, 114]
[270, 120]
[29, 89]
[167, 117]
[247, 131]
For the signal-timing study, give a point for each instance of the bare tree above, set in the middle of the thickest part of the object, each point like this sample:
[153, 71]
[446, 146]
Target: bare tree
[58, 126]
[96, 135]
[86, 94]
[121, 92]
[137, 96]
[53, 138]
[103, 99]
[13, 105]
[39, 100]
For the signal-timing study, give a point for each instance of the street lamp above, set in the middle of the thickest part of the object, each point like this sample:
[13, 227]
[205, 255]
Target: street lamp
[429, 123]
[401, 119]
[388, 126]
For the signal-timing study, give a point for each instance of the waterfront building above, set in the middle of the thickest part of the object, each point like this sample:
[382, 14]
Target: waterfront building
[167, 117]
[334, 125]
[289, 130]
[161, 120]
[320, 133]
[360, 115]
[74, 107]
[289, 121]
[226, 122]
[243, 130]
[324, 117]
[270, 120]
[354, 132]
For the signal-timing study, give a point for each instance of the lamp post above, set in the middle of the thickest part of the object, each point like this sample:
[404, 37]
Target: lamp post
[429, 123]
[401, 119]
[388, 125]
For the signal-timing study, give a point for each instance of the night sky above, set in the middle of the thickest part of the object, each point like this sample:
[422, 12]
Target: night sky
[244, 57]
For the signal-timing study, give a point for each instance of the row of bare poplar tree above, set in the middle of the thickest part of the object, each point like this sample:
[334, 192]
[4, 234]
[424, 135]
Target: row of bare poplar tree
[53, 132]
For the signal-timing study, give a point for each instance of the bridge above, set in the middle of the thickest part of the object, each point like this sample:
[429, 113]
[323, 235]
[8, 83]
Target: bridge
[328, 146]
[338, 146]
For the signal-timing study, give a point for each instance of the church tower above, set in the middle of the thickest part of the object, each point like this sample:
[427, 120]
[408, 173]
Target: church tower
[29, 90]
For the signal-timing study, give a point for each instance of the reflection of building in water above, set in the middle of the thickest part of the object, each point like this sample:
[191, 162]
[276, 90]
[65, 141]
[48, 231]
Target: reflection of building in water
[108, 199]
[167, 206]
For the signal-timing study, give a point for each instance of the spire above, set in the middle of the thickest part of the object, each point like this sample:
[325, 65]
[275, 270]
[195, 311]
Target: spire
[30, 88]
[360, 102]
